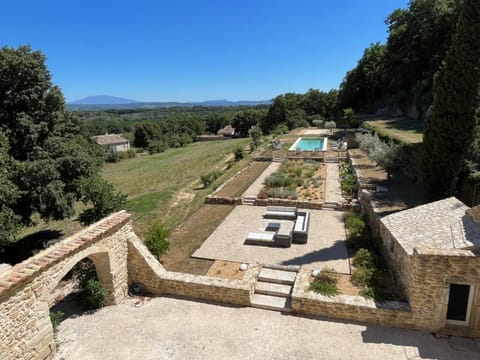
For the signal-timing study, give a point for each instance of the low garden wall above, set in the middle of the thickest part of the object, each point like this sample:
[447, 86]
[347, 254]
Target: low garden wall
[145, 269]
[222, 200]
[356, 308]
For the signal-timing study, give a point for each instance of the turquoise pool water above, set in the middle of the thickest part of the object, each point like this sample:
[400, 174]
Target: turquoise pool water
[309, 144]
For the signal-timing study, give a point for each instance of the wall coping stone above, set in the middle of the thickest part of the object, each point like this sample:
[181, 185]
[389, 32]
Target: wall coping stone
[27, 269]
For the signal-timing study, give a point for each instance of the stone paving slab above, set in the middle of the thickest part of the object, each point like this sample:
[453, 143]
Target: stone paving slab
[268, 302]
[268, 288]
[325, 246]
[277, 276]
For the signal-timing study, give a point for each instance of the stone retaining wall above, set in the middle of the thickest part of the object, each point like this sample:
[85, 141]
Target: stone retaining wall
[356, 308]
[222, 200]
[145, 269]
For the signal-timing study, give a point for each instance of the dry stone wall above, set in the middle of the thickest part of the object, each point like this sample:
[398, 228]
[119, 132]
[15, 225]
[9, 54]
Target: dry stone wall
[356, 308]
[145, 269]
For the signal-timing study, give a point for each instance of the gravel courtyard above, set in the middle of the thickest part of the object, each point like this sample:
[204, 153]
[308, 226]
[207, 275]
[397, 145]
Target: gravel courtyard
[167, 328]
[325, 247]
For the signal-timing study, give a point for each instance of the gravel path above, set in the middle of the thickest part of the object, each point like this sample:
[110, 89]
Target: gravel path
[257, 185]
[333, 191]
[166, 328]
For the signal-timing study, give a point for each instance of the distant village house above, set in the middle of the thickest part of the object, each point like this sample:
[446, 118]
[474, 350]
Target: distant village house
[228, 131]
[114, 142]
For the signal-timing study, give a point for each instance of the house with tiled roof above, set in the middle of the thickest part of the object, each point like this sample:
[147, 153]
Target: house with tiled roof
[113, 141]
[228, 131]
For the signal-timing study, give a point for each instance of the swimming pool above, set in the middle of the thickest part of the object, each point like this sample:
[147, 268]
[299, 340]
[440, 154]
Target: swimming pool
[310, 144]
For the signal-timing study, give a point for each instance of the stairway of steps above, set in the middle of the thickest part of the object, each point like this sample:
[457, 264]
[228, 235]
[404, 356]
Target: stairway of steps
[249, 200]
[277, 159]
[273, 289]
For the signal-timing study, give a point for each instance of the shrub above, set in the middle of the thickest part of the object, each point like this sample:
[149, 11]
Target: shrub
[368, 293]
[325, 282]
[355, 224]
[56, 318]
[239, 153]
[209, 178]
[93, 295]
[92, 292]
[362, 276]
[101, 194]
[111, 155]
[157, 239]
[364, 258]
[280, 130]
[129, 154]
[330, 125]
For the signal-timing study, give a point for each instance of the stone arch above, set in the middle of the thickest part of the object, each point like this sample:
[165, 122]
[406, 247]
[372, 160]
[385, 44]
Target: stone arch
[101, 259]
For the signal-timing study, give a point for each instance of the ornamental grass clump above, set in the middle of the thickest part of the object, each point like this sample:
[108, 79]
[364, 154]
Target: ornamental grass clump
[325, 282]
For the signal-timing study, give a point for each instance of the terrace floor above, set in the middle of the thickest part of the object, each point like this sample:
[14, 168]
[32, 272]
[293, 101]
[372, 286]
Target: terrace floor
[325, 246]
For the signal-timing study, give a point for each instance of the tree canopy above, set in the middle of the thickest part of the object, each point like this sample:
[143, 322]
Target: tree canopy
[399, 74]
[42, 154]
[449, 133]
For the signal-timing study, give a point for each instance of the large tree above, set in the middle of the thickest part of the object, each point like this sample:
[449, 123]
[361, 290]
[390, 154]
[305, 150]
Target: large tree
[450, 130]
[43, 156]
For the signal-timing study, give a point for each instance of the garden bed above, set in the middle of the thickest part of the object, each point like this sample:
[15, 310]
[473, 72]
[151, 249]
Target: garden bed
[296, 180]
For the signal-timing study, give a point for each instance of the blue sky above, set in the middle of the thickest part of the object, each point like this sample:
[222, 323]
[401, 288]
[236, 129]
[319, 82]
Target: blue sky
[196, 50]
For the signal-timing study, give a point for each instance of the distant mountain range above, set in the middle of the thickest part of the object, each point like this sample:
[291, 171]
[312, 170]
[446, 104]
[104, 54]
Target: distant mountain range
[105, 102]
[102, 99]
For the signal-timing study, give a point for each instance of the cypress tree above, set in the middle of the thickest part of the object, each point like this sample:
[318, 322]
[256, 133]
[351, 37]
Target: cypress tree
[450, 130]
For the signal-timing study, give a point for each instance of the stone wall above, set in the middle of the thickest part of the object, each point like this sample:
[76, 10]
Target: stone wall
[27, 288]
[433, 270]
[145, 269]
[356, 308]
[222, 200]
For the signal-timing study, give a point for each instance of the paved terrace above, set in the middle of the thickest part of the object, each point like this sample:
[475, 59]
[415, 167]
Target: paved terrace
[325, 247]
[165, 328]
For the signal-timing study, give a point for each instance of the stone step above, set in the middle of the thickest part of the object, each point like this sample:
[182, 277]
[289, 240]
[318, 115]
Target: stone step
[268, 302]
[329, 205]
[250, 197]
[277, 276]
[267, 288]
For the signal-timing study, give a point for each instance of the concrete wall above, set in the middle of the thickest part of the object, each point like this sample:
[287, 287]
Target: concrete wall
[26, 289]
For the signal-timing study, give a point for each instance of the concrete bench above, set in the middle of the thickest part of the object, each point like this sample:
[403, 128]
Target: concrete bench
[283, 239]
[300, 230]
[269, 239]
[260, 239]
[281, 212]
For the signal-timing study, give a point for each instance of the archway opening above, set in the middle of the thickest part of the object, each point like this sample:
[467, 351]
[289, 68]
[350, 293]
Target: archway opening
[79, 291]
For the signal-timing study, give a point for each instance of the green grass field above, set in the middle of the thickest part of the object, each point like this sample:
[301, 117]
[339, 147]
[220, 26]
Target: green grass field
[166, 187]
[163, 187]
[408, 131]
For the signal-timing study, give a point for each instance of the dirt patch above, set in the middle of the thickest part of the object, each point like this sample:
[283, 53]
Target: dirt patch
[182, 196]
[188, 237]
[226, 270]
[241, 182]
[345, 285]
